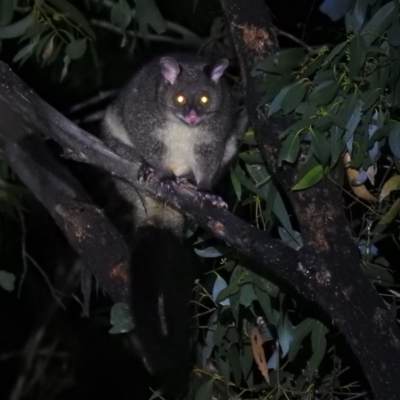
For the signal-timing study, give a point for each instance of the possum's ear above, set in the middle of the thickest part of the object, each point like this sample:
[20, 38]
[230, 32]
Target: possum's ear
[219, 69]
[169, 69]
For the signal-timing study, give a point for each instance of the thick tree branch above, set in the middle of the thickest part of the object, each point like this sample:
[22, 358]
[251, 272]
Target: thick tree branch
[329, 260]
[23, 111]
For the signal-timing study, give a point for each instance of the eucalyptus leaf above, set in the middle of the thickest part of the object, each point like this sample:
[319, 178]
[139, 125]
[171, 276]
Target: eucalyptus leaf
[276, 104]
[394, 34]
[324, 93]
[234, 361]
[121, 14]
[236, 184]
[358, 53]
[318, 344]
[285, 334]
[64, 71]
[290, 149]
[219, 285]
[300, 332]
[246, 359]
[380, 21]
[320, 147]
[18, 28]
[7, 280]
[312, 177]
[359, 12]
[74, 14]
[337, 51]
[394, 139]
[6, 11]
[247, 295]
[281, 212]
[148, 13]
[26, 50]
[273, 85]
[391, 214]
[212, 252]
[121, 318]
[283, 61]
[292, 239]
[76, 49]
[370, 97]
[205, 391]
[293, 96]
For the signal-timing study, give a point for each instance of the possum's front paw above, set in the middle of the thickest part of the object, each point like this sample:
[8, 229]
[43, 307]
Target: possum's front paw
[215, 199]
[145, 173]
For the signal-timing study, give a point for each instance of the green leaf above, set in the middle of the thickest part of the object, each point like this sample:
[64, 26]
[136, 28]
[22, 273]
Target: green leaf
[359, 11]
[290, 149]
[76, 49]
[313, 176]
[336, 145]
[205, 391]
[64, 71]
[294, 96]
[285, 334]
[273, 85]
[320, 147]
[312, 66]
[148, 13]
[247, 295]
[300, 332]
[292, 239]
[318, 344]
[75, 15]
[391, 185]
[121, 318]
[283, 61]
[246, 359]
[324, 93]
[379, 23]
[26, 50]
[236, 185]
[391, 214]
[394, 34]
[394, 139]
[251, 157]
[334, 53]
[234, 361]
[18, 28]
[6, 11]
[281, 213]
[121, 14]
[277, 102]
[7, 280]
[358, 52]
[370, 97]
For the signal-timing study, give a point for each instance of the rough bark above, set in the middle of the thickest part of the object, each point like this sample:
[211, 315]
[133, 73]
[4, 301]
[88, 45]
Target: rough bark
[24, 115]
[329, 262]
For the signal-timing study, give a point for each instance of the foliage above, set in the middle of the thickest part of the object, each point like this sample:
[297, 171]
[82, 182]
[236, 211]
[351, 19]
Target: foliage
[344, 102]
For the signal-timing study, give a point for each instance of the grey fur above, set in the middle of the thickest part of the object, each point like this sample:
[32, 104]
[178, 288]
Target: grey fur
[191, 141]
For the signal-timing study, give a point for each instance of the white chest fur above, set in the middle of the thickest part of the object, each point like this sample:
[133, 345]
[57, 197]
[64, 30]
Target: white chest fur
[180, 140]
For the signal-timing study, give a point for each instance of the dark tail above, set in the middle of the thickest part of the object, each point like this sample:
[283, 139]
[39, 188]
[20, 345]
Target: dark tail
[163, 270]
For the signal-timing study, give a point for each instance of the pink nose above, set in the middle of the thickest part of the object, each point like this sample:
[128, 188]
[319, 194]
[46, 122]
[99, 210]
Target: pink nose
[192, 118]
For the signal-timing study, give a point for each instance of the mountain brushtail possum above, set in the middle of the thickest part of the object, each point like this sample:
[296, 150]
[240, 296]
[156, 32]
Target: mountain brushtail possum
[176, 117]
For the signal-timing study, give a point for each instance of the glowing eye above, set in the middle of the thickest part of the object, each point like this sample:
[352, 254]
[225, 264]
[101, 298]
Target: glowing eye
[203, 99]
[180, 99]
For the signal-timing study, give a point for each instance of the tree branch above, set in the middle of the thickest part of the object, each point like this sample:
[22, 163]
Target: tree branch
[329, 260]
[22, 111]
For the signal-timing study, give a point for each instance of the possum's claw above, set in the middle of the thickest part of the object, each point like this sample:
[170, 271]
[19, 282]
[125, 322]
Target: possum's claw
[145, 173]
[215, 199]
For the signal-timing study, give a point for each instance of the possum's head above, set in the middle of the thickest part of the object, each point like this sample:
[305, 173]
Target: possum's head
[191, 91]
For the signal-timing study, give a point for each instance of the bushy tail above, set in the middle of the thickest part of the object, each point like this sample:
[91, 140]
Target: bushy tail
[163, 271]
